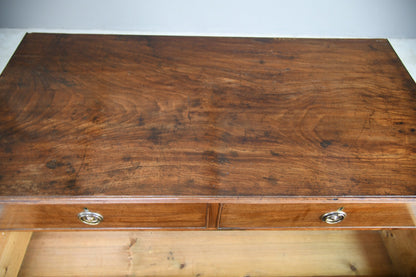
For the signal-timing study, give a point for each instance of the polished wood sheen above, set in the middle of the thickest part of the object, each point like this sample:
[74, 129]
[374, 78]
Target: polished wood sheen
[116, 119]
[116, 216]
[141, 115]
[373, 216]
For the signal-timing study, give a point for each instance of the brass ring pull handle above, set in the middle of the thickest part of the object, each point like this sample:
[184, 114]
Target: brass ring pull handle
[334, 217]
[90, 218]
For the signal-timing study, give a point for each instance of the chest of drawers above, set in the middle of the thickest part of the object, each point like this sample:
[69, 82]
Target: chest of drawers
[117, 132]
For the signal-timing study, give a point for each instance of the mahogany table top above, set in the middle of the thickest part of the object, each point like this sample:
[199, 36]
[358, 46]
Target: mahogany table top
[158, 116]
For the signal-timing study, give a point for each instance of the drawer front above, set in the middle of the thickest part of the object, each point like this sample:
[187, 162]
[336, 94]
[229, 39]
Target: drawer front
[249, 216]
[137, 216]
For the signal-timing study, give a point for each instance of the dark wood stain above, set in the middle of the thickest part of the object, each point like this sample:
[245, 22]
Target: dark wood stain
[325, 143]
[274, 153]
[108, 115]
[271, 180]
[353, 268]
[52, 164]
[133, 241]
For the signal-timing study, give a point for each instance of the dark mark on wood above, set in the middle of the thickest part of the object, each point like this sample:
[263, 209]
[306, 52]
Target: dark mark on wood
[222, 159]
[155, 136]
[140, 121]
[353, 268]
[171, 257]
[190, 182]
[132, 242]
[66, 82]
[53, 164]
[126, 158]
[325, 143]
[274, 153]
[71, 184]
[69, 168]
[215, 157]
[271, 180]
[354, 180]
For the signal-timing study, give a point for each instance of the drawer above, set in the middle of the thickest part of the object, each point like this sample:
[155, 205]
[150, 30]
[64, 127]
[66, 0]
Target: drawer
[251, 216]
[115, 216]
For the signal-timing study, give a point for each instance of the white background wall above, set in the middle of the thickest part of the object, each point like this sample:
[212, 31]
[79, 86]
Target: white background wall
[307, 18]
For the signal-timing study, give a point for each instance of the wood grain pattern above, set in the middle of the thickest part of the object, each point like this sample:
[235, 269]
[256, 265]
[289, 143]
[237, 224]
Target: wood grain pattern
[13, 246]
[104, 115]
[237, 253]
[213, 215]
[116, 216]
[248, 216]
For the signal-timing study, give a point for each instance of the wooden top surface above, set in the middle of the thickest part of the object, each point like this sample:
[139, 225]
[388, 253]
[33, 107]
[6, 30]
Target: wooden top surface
[107, 115]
